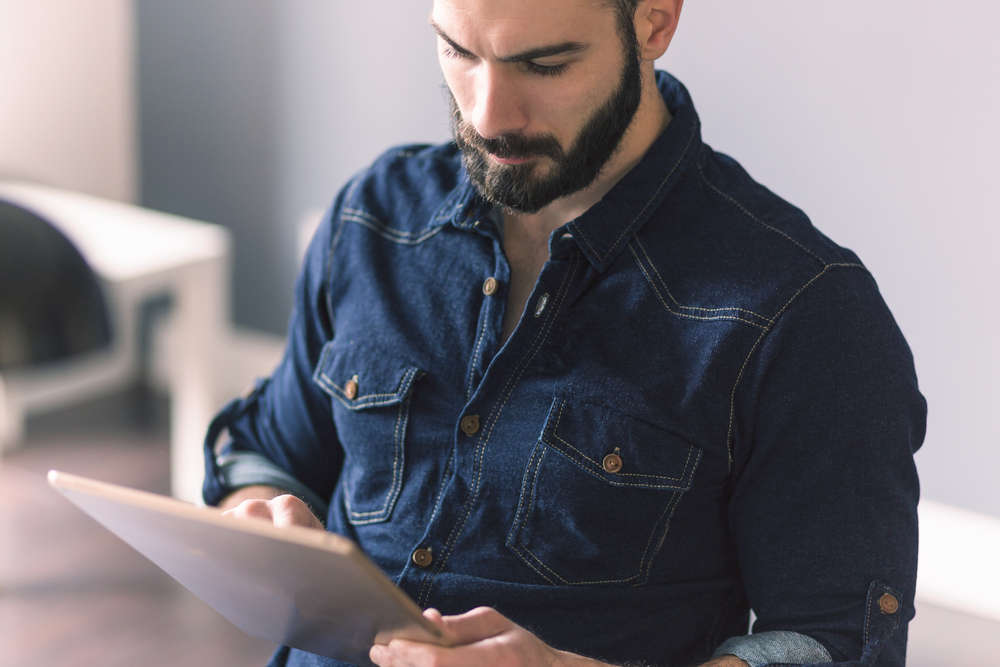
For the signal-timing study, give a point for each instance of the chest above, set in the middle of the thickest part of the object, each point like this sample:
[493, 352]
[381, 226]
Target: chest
[597, 399]
[526, 249]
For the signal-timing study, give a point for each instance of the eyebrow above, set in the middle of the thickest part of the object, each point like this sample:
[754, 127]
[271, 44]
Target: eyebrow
[563, 48]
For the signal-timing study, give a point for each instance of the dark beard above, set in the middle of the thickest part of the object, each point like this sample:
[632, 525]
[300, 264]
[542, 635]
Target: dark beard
[513, 187]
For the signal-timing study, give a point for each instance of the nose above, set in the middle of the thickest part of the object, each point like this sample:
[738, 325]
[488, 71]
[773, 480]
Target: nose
[499, 107]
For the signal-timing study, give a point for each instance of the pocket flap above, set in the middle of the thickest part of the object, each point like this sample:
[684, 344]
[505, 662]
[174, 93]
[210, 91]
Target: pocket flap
[363, 378]
[621, 450]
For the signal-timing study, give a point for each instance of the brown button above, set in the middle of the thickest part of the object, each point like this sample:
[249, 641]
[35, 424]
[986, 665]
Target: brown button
[470, 424]
[490, 286]
[422, 558]
[888, 604]
[351, 389]
[613, 463]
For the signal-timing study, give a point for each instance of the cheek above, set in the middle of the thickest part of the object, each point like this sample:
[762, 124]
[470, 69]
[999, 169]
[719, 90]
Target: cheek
[560, 107]
[459, 82]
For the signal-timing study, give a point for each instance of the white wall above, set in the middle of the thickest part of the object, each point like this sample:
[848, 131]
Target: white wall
[67, 108]
[356, 78]
[879, 119]
[255, 112]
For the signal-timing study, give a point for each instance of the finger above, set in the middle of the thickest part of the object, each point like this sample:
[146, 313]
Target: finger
[506, 648]
[476, 625]
[406, 653]
[380, 655]
[288, 510]
[434, 616]
[256, 509]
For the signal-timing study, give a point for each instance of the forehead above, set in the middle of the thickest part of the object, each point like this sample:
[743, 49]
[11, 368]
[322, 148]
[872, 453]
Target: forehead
[524, 22]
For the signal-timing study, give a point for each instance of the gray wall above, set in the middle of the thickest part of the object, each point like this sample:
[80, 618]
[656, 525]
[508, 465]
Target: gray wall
[877, 118]
[254, 113]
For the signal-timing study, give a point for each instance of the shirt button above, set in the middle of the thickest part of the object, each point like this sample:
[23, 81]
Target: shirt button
[888, 604]
[613, 463]
[422, 558]
[470, 424]
[351, 389]
[490, 286]
[540, 307]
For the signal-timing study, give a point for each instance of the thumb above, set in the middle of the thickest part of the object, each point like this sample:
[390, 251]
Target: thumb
[473, 626]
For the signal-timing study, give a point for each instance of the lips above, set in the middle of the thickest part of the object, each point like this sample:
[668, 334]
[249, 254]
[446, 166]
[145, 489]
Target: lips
[512, 161]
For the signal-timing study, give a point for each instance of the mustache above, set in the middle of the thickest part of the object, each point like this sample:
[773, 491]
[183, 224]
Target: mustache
[508, 146]
[512, 146]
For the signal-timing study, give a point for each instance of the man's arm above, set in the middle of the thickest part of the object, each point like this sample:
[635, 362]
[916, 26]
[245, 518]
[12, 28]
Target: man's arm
[484, 636]
[282, 434]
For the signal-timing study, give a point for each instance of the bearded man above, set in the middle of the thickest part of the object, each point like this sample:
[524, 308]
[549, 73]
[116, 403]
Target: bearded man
[578, 373]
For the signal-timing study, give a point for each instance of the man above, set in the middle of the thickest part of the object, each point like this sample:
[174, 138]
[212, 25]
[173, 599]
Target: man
[579, 374]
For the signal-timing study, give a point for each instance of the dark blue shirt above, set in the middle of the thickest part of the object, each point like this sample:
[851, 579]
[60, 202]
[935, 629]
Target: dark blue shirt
[705, 407]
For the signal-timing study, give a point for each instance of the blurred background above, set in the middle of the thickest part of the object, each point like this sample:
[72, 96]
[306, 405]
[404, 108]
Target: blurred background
[877, 118]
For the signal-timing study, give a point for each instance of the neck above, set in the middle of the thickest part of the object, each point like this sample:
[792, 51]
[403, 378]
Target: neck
[650, 120]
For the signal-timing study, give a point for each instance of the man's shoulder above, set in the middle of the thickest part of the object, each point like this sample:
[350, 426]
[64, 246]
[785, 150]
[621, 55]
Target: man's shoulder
[402, 160]
[763, 220]
[724, 236]
[404, 186]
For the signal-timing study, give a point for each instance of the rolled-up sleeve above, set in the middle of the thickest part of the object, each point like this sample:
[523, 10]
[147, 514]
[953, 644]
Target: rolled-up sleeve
[777, 646]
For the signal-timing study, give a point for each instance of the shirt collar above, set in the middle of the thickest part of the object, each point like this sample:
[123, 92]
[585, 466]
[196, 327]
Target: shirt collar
[608, 226]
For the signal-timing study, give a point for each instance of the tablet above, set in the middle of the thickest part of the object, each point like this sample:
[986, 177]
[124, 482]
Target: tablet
[300, 587]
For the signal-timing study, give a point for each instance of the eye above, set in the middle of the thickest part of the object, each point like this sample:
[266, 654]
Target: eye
[545, 70]
[449, 52]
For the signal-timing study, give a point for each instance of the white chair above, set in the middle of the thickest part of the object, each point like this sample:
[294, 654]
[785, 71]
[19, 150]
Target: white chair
[137, 255]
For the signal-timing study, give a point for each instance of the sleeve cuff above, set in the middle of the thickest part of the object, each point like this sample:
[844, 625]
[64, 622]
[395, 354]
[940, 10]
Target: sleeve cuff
[777, 647]
[241, 468]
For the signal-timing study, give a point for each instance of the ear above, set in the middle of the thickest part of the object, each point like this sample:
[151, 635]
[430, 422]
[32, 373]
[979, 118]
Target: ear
[655, 24]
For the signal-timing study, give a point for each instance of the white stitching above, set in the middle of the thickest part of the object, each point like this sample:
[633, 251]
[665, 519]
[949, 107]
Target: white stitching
[667, 290]
[492, 420]
[756, 219]
[515, 528]
[618, 474]
[475, 357]
[395, 235]
[649, 201]
[444, 483]
[646, 560]
[732, 397]
[329, 271]
[366, 401]
[555, 428]
[397, 478]
[691, 317]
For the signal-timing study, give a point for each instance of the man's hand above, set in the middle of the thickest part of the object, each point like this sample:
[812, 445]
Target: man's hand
[482, 636]
[279, 508]
[485, 637]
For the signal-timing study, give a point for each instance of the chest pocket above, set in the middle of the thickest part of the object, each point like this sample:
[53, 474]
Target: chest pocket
[598, 496]
[370, 394]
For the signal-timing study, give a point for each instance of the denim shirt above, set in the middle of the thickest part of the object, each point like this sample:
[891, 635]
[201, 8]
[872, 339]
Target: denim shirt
[706, 407]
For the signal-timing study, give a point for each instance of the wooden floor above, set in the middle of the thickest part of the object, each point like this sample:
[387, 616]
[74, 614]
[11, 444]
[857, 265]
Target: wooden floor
[71, 593]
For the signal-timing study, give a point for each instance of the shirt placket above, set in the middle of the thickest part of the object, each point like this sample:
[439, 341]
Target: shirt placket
[476, 433]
